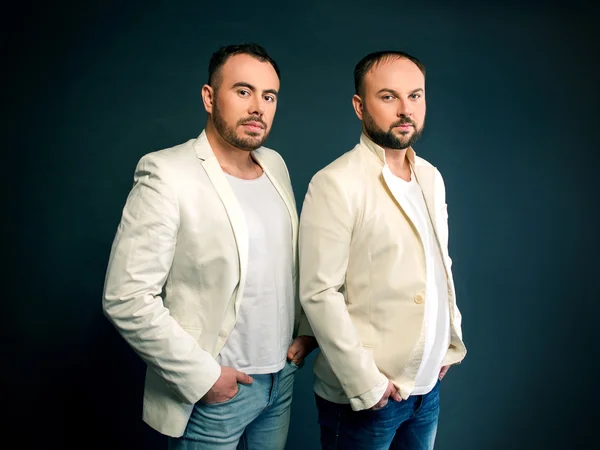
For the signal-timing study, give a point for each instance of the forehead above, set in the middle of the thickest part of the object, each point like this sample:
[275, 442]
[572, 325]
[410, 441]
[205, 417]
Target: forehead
[247, 69]
[399, 74]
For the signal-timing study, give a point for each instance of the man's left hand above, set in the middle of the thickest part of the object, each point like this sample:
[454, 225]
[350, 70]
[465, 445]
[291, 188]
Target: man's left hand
[301, 348]
[443, 372]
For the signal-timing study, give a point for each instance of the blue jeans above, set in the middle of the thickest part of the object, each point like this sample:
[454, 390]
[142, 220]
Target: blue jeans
[257, 417]
[407, 425]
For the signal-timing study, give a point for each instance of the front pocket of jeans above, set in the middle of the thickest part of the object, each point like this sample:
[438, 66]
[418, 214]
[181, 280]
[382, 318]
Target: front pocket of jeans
[296, 366]
[228, 400]
[382, 410]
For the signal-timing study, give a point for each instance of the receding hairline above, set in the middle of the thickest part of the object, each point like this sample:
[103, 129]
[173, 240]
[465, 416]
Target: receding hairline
[383, 61]
[390, 57]
[217, 76]
[374, 60]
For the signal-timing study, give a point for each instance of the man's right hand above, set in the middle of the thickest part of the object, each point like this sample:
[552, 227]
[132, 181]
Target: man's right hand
[226, 386]
[390, 393]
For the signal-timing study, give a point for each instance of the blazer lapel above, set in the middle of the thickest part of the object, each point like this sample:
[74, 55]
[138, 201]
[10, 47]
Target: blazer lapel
[230, 202]
[401, 200]
[287, 197]
[425, 176]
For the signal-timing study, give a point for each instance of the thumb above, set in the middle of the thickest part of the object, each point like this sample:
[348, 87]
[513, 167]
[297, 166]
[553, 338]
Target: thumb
[293, 349]
[291, 353]
[243, 378]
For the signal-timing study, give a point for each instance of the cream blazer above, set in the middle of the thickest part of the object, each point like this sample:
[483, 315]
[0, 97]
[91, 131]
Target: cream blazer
[177, 270]
[362, 274]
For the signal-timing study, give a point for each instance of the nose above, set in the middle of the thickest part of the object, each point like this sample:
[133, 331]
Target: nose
[256, 107]
[404, 108]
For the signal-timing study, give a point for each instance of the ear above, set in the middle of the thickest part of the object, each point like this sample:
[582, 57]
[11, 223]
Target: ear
[357, 103]
[208, 98]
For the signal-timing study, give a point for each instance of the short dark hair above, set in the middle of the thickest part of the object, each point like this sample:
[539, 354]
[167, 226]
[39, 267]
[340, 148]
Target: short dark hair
[220, 57]
[372, 59]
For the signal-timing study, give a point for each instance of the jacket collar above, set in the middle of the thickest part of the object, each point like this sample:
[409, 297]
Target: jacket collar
[380, 152]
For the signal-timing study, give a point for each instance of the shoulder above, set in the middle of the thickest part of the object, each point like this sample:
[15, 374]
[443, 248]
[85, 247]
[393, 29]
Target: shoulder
[419, 161]
[344, 169]
[422, 162]
[272, 158]
[168, 160]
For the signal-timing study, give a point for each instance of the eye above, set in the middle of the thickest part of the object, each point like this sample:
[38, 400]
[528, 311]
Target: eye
[244, 92]
[387, 98]
[415, 96]
[270, 98]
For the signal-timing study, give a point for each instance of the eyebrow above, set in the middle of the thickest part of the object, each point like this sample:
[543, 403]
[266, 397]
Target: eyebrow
[253, 89]
[414, 91]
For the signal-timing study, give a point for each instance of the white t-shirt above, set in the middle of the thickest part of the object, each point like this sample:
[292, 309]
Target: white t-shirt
[437, 314]
[260, 339]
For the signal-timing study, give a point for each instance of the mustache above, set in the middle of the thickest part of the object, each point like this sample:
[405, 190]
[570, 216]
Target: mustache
[252, 119]
[403, 121]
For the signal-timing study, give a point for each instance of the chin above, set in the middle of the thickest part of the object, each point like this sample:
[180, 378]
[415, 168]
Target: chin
[252, 135]
[253, 140]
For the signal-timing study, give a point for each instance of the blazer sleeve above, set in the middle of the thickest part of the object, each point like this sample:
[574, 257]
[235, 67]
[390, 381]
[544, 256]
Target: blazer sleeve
[326, 225]
[140, 259]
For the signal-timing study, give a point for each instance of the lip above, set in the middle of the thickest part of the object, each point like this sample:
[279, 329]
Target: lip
[253, 125]
[404, 125]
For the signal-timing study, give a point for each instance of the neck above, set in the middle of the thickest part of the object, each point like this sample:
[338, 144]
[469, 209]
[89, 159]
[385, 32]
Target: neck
[398, 163]
[396, 157]
[233, 160]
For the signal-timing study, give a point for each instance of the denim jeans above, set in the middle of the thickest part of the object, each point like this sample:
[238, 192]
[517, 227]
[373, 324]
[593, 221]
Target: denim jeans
[407, 425]
[257, 417]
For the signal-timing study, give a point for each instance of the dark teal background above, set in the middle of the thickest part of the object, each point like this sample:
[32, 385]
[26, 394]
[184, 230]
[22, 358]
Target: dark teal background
[512, 125]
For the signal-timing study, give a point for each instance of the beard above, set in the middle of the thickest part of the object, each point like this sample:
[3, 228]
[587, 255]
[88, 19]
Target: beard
[250, 142]
[390, 139]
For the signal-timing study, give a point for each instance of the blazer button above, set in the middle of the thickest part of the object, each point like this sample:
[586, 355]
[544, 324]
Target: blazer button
[223, 333]
[419, 298]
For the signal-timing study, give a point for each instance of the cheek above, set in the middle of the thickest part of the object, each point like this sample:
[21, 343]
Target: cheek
[419, 115]
[233, 108]
[383, 115]
[269, 113]
[386, 121]
[232, 119]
